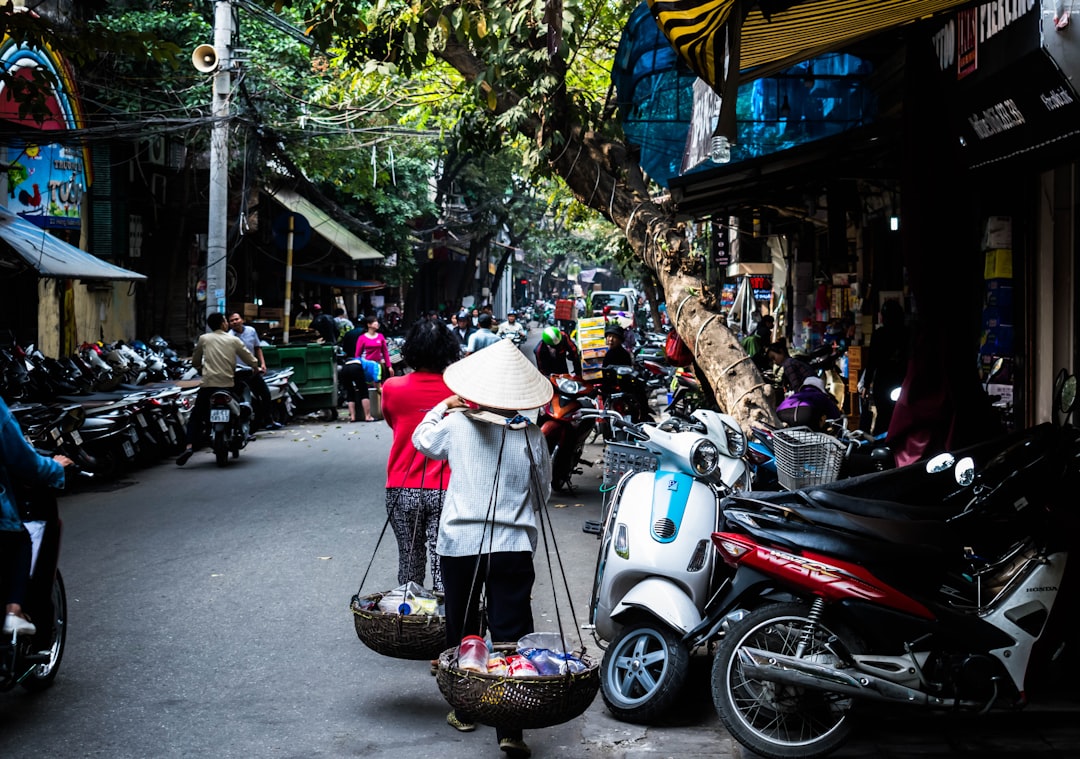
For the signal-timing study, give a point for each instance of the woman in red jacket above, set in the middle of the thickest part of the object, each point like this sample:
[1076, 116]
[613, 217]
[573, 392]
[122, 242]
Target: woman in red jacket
[416, 485]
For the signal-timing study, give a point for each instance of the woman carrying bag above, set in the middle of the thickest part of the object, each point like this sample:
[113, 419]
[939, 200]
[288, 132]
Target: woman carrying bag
[502, 475]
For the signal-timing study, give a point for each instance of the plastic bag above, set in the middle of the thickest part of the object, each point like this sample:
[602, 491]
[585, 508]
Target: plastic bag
[409, 598]
[678, 353]
[552, 641]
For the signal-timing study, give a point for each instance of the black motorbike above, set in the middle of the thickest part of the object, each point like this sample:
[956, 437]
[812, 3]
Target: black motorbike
[230, 425]
[33, 661]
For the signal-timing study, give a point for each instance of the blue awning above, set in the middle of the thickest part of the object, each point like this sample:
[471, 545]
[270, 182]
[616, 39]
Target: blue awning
[52, 257]
[342, 282]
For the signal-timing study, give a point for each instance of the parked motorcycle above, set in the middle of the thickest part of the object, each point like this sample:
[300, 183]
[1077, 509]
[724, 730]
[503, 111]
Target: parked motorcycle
[933, 598]
[625, 391]
[567, 426]
[655, 572]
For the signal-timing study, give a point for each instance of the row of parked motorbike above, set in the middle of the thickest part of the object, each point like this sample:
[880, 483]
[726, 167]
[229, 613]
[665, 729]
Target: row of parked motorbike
[928, 586]
[115, 407]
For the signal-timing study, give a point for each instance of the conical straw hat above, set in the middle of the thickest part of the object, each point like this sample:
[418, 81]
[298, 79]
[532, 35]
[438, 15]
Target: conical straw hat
[499, 376]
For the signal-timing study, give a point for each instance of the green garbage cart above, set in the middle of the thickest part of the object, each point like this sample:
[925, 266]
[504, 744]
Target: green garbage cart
[314, 372]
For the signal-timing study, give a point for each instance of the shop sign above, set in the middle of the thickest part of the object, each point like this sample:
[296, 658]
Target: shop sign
[1027, 108]
[978, 42]
[45, 181]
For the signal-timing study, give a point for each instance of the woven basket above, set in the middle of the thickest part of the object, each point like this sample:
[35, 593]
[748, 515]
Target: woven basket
[402, 636]
[527, 703]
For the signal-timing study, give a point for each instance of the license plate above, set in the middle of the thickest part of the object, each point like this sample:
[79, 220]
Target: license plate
[219, 415]
[129, 449]
[55, 433]
[293, 387]
[141, 420]
[163, 424]
[133, 434]
[76, 437]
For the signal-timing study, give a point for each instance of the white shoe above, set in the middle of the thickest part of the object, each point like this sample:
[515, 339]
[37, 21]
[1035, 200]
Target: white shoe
[13, 623]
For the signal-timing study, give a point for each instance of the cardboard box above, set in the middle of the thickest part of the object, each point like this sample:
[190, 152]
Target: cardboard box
[997, 232]
[999, 293]
[272, 314]
[998, 264]
[250, 311]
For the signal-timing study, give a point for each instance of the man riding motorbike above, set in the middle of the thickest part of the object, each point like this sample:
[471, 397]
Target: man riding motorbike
[553, 351]
[215, 358]
[512, 329]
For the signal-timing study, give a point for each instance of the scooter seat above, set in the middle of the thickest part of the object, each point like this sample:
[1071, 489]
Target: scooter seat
[872, 507]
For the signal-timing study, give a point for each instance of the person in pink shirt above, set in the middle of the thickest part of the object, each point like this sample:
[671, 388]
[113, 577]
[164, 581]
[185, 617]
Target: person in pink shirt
[372, 346]
[416, 485]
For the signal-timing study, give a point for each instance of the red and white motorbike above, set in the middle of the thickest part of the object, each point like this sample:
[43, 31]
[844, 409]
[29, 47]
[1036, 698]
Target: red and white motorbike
[925, 586]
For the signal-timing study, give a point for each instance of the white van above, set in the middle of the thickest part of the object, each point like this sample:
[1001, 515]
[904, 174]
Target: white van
[621, 305]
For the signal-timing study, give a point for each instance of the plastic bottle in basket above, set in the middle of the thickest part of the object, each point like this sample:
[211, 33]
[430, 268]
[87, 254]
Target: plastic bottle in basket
[472, 654]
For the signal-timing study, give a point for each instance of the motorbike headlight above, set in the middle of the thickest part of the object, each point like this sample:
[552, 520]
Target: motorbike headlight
[568, 386]
[704, 457]
[736, 441]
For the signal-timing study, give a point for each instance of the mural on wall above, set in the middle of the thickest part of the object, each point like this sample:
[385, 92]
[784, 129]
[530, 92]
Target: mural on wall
[46, 180]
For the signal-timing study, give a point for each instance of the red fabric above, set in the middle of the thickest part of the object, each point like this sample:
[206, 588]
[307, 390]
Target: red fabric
[405, 401]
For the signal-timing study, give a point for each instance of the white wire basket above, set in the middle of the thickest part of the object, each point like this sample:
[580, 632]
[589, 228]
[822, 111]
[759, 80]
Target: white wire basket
[805, 458]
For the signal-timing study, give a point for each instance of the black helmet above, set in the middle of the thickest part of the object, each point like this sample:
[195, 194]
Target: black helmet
[614, 328]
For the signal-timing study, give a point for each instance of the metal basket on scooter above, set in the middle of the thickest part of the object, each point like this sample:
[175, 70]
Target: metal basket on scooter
[805, 458]
[513, 701]
[620, 458]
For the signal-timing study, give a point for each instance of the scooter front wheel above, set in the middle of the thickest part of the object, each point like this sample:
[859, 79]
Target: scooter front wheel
[643, 671]
[772, 718]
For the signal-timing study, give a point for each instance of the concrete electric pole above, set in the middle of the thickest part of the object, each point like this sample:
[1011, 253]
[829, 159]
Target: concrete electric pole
[219, 60]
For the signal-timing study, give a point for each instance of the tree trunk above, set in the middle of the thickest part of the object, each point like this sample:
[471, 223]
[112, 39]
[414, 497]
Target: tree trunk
[603, 175]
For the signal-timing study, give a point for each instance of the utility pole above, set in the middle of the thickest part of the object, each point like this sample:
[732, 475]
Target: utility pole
[220, 107]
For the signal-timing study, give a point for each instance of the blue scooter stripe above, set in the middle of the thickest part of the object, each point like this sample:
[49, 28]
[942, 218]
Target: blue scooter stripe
[671, 493]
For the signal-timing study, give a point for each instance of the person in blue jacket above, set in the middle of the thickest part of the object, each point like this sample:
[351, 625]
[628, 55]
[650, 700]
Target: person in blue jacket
[18, 461]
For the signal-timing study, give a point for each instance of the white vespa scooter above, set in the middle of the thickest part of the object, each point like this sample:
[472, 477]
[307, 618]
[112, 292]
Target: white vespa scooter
[655, 570]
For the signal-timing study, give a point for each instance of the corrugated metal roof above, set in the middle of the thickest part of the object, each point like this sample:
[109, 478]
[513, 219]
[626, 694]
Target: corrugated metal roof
[52, 257]
[770, 43]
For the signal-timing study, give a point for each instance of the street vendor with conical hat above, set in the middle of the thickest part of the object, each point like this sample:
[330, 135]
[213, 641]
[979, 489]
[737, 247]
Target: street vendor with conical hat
[502, 475]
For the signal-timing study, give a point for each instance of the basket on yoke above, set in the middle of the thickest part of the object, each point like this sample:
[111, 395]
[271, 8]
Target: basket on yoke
[526, 703]
[402, 636]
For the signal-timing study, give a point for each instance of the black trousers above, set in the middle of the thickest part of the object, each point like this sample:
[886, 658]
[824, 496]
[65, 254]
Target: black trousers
[259, 391]
[508, 579]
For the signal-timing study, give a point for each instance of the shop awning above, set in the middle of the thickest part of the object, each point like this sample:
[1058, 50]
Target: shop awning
[330, 230]
[343, 282]
[52, 257]
[777, 34]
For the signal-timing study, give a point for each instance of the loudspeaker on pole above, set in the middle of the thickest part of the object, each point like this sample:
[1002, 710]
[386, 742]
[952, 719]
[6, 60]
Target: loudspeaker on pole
[205, 59]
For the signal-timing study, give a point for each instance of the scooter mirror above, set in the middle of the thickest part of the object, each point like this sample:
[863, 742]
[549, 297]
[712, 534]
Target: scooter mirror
[1068, 394]
[965, 472]
[940, 463]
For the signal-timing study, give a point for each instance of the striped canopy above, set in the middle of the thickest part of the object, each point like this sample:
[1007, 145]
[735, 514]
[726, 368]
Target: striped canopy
[779, 33]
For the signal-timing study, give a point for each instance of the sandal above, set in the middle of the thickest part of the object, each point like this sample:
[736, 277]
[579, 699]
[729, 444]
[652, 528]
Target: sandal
[463, 727]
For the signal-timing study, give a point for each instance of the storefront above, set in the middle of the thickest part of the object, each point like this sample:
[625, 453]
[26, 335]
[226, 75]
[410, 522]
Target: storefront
[1017, 121]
